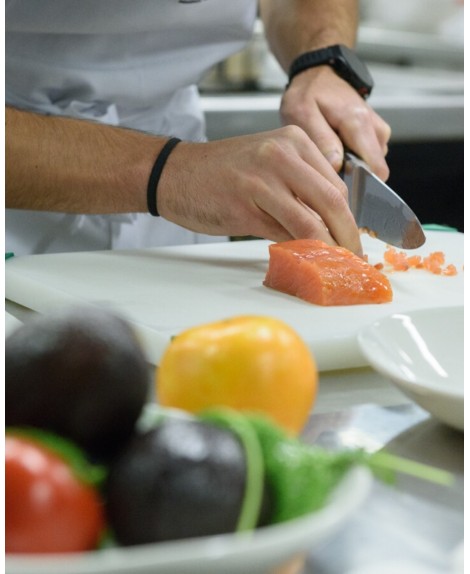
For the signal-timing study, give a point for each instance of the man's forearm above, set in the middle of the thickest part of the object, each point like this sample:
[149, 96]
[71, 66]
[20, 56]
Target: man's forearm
[296, 26]
[76, 166]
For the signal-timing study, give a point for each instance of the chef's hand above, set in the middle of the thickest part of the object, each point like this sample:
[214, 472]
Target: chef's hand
[276, 185]
[333, 114]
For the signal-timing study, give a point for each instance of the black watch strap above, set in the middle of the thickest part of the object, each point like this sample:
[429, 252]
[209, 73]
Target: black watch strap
[343, 60]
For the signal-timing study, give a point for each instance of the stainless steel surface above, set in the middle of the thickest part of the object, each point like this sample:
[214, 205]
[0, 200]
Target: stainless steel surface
[255, 67]
[411, 48]
[411, 527]
[378, 209]
[419, 83]
[414, 115]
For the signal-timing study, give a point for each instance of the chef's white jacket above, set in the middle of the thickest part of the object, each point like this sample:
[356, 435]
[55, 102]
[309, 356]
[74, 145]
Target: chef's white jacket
[133, 63]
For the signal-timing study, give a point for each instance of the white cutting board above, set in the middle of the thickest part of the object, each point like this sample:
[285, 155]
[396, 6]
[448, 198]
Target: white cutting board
[162, 291]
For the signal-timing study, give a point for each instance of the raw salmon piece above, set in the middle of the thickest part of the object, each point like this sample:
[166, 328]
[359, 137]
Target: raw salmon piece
[325, 275]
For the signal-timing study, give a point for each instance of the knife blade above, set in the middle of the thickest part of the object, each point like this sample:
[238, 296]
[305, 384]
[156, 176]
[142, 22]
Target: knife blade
[378, 209]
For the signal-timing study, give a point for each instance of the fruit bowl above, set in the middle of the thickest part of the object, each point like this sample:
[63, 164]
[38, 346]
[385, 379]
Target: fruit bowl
[259, 551]
[184, 480]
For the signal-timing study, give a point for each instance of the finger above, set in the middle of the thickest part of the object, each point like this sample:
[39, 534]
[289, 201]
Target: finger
[333, 221]
[269, 227]
[325, 138]
[293, 216]
[314, 181]
[359, 134]
[383, 131]
[331, 204]
[310, 153]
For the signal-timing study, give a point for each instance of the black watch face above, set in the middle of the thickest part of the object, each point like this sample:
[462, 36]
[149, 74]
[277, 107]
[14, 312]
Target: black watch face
[354, 71]
[343, 60]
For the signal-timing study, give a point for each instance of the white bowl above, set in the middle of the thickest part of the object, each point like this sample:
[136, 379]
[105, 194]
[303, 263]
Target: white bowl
[257, 552]
[422, 353]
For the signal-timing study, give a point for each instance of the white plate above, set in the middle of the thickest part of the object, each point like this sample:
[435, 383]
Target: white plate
[228, 554]
[422, 353]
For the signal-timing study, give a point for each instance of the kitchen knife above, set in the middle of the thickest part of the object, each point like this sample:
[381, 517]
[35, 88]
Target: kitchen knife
[378, 209]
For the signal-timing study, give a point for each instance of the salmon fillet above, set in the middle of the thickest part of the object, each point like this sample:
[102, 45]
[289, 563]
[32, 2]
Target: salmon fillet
[325, 275]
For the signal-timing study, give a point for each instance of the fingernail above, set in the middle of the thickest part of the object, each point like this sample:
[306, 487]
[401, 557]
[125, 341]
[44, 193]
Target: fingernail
[335, 158]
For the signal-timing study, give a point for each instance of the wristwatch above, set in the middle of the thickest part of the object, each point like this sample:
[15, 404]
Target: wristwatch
[343, 61]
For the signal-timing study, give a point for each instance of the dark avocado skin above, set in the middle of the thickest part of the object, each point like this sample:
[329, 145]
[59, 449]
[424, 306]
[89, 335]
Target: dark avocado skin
[182, 479]
[80, 373]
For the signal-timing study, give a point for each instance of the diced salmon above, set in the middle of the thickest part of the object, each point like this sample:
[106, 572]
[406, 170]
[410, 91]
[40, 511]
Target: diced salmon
[434, 262]
[398, 259]
[325, 275]
[451, 269]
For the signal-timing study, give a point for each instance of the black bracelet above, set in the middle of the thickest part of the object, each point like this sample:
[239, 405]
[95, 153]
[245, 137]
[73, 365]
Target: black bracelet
[156, 173]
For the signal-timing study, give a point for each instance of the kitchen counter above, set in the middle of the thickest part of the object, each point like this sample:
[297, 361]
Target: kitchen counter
[413, 527]
[418, 74]
[421, 103]
[419, 106]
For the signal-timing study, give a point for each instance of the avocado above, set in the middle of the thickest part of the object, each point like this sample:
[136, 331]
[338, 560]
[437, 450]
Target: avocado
[79, 372]
[181, 479]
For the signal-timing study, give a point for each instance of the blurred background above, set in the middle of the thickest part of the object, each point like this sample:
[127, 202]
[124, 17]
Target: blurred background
[415, 51]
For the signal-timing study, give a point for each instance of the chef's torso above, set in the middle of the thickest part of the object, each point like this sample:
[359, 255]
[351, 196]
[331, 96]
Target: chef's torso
[133, 64]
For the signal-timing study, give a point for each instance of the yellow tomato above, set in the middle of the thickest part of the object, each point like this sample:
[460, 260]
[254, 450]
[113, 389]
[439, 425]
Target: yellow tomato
[250, 363]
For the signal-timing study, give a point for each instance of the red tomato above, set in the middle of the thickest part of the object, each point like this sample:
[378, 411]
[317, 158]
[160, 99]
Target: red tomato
[47, 509]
